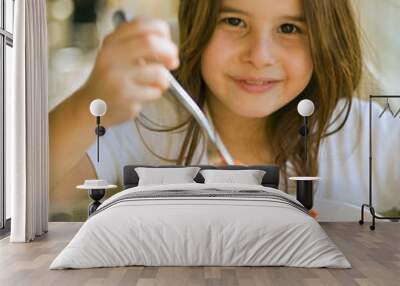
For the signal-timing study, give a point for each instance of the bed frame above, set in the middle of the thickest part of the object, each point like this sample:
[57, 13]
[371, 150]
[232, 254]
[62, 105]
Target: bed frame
[270, 179]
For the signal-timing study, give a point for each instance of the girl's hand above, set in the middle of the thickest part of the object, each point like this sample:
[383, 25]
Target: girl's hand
[313, 213]
[129, 68]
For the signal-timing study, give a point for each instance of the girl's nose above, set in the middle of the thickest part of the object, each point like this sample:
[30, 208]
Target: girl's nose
[260, 51]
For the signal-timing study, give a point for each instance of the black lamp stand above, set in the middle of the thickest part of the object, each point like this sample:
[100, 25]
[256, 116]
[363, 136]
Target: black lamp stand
[100, 131]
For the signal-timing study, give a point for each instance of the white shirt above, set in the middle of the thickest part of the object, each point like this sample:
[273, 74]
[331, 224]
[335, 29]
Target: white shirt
[343, 157]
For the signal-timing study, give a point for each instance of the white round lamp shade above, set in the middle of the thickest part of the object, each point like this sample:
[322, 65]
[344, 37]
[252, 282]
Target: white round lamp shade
[305, 107]
[98, 107]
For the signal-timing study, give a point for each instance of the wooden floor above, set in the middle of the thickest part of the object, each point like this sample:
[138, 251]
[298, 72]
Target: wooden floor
[374, 255]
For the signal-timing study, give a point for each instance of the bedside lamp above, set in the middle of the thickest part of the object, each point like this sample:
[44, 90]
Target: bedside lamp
[304, 185]
[98, 108]
[305, 108]
[96, 188]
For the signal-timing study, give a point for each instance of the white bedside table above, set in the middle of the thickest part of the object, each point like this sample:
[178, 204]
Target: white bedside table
[96, 190]
[304, 190]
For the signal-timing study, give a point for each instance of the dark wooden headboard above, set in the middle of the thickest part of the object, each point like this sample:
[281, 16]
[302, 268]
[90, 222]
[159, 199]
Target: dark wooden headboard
[270, 179]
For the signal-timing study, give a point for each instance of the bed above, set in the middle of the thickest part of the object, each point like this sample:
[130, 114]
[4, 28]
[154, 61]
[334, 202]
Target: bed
[201, 224]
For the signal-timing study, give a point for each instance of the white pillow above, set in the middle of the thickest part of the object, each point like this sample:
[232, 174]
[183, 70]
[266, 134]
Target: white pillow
[162, 176]
[248, 177]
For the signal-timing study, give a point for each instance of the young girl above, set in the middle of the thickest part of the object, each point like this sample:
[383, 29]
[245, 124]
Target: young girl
[247, 63]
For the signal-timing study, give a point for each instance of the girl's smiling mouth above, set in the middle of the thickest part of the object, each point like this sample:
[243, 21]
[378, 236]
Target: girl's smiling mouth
[256, 85]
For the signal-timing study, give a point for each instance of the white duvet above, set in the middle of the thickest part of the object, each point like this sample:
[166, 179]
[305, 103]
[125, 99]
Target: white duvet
[183, 231]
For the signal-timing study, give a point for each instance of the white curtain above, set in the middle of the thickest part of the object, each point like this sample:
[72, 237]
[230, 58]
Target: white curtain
[27, 124]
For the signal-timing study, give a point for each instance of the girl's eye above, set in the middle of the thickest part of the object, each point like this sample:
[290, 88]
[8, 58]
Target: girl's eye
[289, 29]
[236, 22]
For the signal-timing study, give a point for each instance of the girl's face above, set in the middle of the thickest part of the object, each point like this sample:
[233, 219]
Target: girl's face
[258, 58]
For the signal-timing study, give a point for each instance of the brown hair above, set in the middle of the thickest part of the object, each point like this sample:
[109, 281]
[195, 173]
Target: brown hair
[336, 53]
